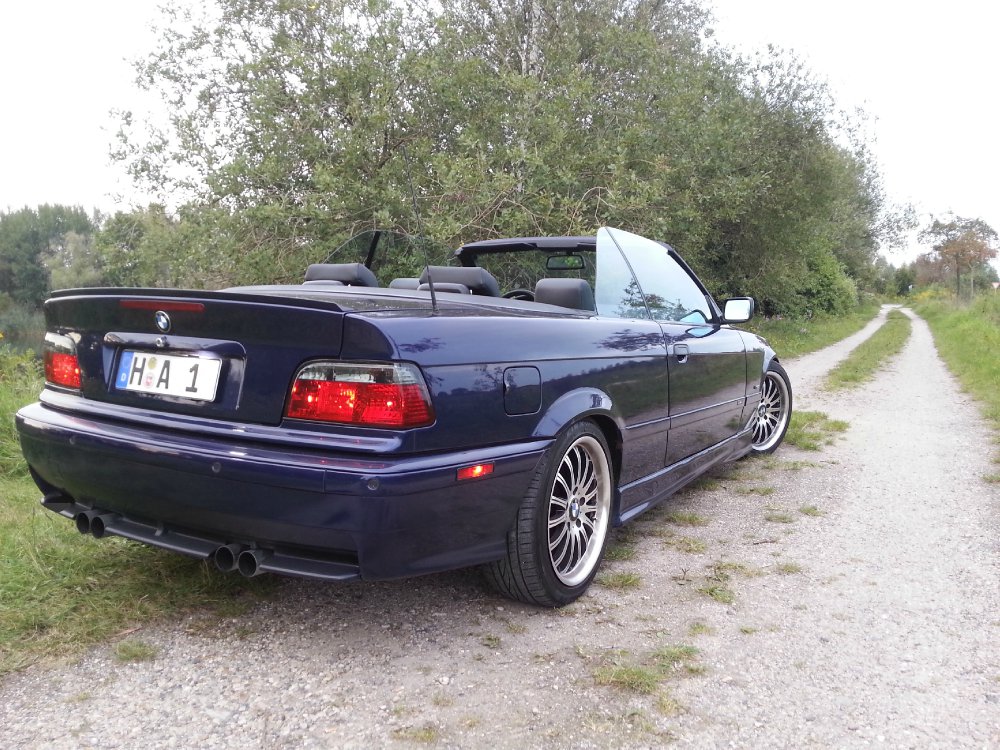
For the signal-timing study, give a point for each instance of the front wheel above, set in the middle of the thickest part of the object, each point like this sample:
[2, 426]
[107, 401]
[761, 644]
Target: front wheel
[558, 541]
[773, 412]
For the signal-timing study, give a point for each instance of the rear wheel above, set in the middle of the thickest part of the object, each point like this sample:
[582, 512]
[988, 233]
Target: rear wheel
[774, 410]
[558, 541]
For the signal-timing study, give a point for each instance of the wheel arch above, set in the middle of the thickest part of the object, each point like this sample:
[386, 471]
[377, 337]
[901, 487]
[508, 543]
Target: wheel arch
[588, 404]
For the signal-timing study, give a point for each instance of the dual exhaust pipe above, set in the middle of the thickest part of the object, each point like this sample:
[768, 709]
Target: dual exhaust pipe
[239, 557]
[94, 522]
[227, 558]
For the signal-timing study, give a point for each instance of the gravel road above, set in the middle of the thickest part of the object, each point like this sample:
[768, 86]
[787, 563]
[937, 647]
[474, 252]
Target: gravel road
[873, 618]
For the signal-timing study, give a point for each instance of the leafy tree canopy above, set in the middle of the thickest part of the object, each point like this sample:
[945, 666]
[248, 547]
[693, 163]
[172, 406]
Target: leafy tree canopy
[31, 242]
[297, 123]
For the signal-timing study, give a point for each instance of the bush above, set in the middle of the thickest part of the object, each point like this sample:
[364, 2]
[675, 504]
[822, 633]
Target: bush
[20, 327]
[20, 383]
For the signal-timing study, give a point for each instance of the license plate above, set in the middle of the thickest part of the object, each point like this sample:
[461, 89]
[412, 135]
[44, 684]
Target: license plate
[169, 375]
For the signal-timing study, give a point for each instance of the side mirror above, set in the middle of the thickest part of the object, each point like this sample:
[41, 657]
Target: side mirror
[738, 310]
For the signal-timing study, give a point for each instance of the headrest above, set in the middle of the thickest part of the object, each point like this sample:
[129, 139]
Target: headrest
[573, 293]
[479, 280]
[446, 286]
[404, 283]
[351, 274]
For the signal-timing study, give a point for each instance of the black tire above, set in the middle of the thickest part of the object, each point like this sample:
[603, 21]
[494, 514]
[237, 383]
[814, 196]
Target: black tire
[557, 543]
[774, 411]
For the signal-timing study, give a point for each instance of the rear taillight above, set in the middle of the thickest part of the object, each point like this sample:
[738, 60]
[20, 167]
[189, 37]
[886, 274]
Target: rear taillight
[365, 395]
[62, 368]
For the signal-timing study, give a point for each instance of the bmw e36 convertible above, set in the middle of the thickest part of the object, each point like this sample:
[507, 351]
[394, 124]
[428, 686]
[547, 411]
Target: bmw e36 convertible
[506, 409]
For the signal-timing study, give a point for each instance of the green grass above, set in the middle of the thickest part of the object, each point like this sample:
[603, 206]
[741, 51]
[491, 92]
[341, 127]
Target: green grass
[811, 430]
[862, 363]
[623, 581]
[61, 592]
[645, 675]
[685, 518]
[811, 510]
[687, 544]
[133, 650]
[719, 592]
[967, 337]
[788, 568]
[792, 337]
[779, 517]
[629, 677]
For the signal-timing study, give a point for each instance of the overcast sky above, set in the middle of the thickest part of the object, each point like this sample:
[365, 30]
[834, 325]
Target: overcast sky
[925, 73]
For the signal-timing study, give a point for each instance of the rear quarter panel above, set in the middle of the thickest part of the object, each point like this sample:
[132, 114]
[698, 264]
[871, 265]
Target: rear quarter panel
[586, 366]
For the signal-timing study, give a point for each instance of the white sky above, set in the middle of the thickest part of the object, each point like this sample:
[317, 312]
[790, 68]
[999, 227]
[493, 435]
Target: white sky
[925, 72]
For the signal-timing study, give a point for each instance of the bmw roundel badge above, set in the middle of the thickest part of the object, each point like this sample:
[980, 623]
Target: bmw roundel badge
[162, 321]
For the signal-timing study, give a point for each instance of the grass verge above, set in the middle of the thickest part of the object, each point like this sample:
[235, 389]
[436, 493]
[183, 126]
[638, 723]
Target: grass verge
[792, 337]
[867, 358]
[61, 592]
[811, 430]
[967, 337]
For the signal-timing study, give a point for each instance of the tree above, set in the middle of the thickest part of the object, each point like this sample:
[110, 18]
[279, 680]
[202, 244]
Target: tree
[29, 236]
[297, 124]
[960, 243]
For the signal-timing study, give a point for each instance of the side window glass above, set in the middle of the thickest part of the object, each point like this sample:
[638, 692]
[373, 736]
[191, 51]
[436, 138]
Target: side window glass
[660, 284]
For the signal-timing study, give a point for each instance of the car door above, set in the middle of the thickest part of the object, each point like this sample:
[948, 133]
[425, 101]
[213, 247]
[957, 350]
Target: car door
[706, 361]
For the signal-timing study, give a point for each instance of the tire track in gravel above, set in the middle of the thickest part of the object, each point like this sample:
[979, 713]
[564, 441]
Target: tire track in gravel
[889, 633]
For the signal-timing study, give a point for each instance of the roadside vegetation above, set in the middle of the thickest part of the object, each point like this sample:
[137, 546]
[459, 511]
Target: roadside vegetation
[967, 336]
[795, 336]
[60, 592]
[862, 363]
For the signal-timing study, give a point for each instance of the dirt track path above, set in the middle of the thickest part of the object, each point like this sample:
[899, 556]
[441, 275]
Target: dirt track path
[877, 622]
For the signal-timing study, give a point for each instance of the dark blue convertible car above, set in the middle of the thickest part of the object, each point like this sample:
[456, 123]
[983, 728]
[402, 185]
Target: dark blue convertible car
[504, 410]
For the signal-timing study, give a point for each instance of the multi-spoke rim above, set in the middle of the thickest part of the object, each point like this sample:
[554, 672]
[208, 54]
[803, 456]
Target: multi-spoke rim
[579, 506]
[772, 412]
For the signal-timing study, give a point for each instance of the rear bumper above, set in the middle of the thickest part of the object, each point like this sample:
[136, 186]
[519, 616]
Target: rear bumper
[318, 514]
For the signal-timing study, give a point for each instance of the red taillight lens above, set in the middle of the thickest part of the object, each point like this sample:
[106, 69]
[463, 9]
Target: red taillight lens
[62, 369]
[61, 365]
[474, 472]
[362, 395]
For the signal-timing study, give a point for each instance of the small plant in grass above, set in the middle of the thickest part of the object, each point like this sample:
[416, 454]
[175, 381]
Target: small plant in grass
[635, 679]
[427, 734]
[811, 430]
[719, 592]
[671, 657]
[762, 491]
[646, 677]
[685, 518]
[788, 568]
[134, 650]
[514, 627]
[721, 570]
[707, 483]
[811, 510]
[620, 551]
[700, 628]
[797, 465]
[621, 581]
[667, 705]
[687, 544]
[779, 517]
